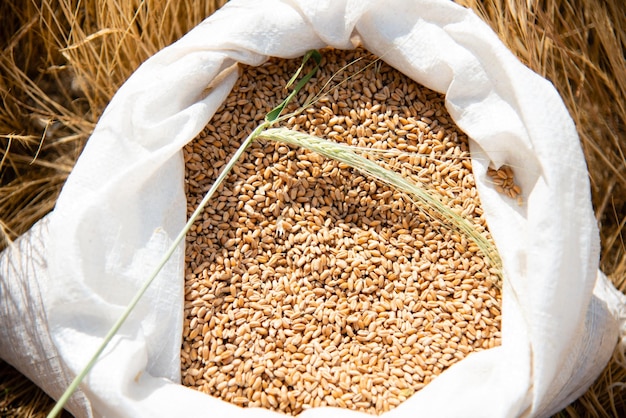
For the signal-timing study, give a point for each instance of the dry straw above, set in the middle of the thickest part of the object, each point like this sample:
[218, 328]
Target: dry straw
[58, 83]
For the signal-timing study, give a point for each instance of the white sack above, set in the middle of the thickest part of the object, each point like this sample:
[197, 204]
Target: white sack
[124, 203]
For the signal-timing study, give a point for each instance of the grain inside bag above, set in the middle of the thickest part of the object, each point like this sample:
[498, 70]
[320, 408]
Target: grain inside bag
[309, 284]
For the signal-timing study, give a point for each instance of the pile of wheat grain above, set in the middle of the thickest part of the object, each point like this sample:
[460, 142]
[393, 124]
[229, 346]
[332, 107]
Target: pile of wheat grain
[308, 284]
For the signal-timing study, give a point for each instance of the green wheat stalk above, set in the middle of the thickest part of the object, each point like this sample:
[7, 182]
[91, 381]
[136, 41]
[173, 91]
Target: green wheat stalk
[272, 117]
[340, 152]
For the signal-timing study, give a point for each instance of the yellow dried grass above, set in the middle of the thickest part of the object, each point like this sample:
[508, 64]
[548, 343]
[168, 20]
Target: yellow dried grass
[62, 60]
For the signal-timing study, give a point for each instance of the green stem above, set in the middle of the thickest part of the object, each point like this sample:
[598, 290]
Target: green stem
[79, 378]
[272, 117]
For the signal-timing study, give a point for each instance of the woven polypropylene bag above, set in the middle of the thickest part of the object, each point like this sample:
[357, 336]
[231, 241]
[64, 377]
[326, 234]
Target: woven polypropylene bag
[124, 203]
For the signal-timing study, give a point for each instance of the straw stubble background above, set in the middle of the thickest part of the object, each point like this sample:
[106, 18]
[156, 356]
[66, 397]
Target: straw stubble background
[62, 60]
